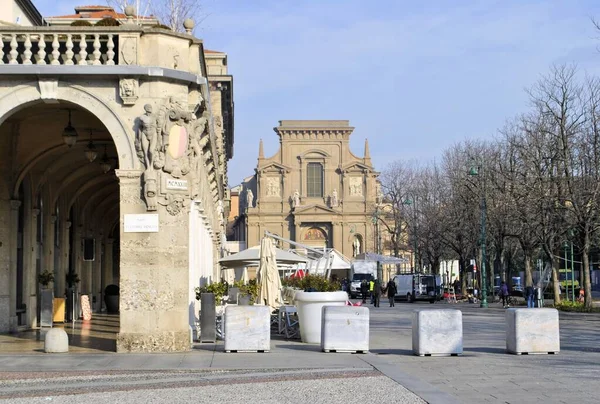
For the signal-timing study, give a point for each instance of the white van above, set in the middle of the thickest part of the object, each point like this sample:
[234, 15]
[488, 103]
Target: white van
[416, 287]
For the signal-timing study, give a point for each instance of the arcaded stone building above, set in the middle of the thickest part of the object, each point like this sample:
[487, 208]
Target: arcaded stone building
[114, 144]
[314, 190]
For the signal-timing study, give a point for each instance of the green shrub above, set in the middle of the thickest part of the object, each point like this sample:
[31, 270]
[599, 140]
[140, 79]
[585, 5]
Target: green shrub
[72, 278]
[315, 283]
[575, 307]
[45, 278]
[81, 23]
[251, 288]
[108, 22]
[218, 288]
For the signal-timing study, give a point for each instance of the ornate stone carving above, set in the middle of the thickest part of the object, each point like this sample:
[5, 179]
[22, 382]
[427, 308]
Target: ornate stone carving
[273, 188]
[355, 184]
[48, 88]
[129, 51]
[129, 91]
[169, 144]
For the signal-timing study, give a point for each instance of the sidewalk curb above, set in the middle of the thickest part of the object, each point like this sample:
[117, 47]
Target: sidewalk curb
[424, 390]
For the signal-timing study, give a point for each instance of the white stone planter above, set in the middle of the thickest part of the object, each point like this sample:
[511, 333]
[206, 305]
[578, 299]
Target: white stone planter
[309, 305]
[437, 332]
[345, 329]
[532, 331]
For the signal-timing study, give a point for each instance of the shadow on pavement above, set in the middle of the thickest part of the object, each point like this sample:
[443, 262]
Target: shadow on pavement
[498, 351]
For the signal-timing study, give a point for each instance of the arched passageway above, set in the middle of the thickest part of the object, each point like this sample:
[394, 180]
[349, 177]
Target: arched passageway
[58, 210]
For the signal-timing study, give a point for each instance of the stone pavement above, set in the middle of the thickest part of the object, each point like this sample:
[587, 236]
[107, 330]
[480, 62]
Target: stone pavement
[296, 372]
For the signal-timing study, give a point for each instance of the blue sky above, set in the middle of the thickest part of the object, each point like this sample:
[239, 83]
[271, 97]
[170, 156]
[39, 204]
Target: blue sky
[414, 77]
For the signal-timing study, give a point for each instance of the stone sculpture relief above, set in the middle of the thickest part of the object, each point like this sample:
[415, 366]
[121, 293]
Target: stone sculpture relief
[170, 143]
[355, 184]
[128, 91]
[129, 51]
[273, 188]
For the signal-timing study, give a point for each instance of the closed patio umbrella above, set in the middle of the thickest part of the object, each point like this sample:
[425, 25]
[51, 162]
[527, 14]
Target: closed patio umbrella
[269, 292]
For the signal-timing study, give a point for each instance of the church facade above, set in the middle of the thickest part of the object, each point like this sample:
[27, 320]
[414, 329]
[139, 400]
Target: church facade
[314, 190]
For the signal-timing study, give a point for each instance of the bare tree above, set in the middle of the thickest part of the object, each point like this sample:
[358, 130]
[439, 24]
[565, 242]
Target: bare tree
[171, 13]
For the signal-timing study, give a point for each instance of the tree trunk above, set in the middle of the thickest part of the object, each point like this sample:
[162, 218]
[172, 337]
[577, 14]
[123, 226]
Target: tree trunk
[585, 262]
[528, 267]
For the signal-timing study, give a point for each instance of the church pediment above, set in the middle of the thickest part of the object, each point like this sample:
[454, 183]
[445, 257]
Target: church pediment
[274, 168]
[314, 209]
[356, 166]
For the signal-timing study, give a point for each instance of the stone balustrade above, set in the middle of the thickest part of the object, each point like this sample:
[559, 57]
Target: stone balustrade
[99, 46]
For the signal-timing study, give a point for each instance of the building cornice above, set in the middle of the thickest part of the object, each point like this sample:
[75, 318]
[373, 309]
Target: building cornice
[31, 11]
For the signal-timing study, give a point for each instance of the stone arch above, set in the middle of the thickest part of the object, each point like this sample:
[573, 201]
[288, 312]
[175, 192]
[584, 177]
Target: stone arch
[27, 94]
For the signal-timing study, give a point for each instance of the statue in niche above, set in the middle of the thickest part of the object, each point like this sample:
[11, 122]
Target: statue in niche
[356, 246]
[249, 198]
[334, 199]
[146, 150]
[296, 199]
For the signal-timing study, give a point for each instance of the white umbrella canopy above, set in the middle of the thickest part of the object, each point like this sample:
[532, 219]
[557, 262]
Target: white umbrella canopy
[269, 292]
[252, 256]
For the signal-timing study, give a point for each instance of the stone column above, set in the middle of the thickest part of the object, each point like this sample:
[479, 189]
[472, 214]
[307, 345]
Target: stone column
[97, 274]
[64, 255]
[154, 278]
[30, 275]
[49, 247]
[337, 235]
[107, 264]
[12, 247]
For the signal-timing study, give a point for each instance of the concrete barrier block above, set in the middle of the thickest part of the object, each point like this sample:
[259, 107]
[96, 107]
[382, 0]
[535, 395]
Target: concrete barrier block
[247, 328]
[437, 332]
[345, 329]
[532, 331]
[56, 341]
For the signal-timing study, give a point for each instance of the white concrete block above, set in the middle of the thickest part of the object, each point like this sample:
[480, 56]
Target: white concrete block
[56, 341]
[247, 328]
[437, 332]
[345, 329]
[532, 331]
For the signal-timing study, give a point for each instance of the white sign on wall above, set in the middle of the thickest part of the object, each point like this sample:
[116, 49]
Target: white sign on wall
[144, 223]
[176, 184]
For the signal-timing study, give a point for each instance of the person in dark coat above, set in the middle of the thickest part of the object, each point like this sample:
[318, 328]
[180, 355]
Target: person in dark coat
[529, 293]
[364, 290]
[391, 291]
[376, 293]
[504, 294]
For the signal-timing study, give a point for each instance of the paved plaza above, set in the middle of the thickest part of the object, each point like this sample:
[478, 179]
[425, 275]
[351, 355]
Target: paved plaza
[295, 372]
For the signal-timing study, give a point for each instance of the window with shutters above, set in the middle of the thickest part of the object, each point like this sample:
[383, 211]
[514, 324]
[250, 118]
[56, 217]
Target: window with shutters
[314, 180]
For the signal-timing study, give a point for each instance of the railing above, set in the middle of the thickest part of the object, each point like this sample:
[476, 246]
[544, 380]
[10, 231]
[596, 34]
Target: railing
[59, 47]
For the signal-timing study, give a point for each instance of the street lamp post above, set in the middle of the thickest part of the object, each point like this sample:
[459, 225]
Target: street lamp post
[409, 202]
[474, 171]
[377, 241]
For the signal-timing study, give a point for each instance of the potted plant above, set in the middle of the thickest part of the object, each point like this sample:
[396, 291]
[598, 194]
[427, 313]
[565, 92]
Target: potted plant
[318, 291]
[72, 279]
[46, 298]
[248, 291]
[111, 298]
[44, 278]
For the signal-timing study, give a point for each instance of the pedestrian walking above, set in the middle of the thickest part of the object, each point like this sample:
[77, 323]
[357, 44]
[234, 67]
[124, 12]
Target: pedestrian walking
[391, 291]
[504, 294]
[529, 293]
[364, 290]
[376, 293]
